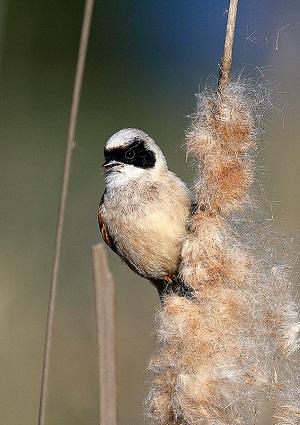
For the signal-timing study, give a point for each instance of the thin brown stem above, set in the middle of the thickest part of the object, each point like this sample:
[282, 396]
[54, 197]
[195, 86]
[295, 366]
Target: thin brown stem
[225, 68]
[106, 336]
[62, 205]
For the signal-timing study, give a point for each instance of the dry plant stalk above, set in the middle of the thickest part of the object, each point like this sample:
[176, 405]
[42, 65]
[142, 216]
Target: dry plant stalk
[106, 330]
[226, 63]
[84, 38]
[221, 357]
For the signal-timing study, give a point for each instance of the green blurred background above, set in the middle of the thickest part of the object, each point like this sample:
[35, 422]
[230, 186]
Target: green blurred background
[146, 61]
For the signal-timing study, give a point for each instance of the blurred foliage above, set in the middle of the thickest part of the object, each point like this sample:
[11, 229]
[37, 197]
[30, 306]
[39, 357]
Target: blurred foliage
[146, 60]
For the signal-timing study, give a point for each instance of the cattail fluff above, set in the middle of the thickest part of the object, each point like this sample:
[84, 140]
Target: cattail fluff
[221, 357]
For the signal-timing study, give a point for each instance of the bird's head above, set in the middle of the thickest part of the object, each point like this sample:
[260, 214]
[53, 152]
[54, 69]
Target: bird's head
[131, 154]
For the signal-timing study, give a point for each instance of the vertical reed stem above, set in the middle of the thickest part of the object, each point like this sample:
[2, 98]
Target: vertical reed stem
[62, 206]
[226, 63]
[106, 336]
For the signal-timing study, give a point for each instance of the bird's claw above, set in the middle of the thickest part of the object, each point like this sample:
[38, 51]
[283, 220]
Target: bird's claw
[183, 290]
[179, 288]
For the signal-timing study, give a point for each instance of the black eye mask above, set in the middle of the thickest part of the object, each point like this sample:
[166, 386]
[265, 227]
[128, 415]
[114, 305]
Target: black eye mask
[134, 154]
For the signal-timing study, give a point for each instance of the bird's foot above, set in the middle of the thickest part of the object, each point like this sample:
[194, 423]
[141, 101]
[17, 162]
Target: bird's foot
[177, 286]
[183, 290]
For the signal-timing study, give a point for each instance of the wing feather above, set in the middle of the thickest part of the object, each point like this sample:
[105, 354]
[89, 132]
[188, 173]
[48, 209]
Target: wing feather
[103, 228]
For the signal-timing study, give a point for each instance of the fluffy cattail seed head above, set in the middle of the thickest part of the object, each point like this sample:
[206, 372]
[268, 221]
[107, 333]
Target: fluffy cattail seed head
[231, 349]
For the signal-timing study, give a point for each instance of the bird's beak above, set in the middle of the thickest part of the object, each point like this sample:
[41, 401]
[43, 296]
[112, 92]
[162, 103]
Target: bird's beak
[109, 165]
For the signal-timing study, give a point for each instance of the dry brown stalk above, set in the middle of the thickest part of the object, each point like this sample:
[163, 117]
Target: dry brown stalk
[62, 206]
[105, 310]
[225, 68]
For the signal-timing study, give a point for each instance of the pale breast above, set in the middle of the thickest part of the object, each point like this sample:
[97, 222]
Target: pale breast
[149, 235]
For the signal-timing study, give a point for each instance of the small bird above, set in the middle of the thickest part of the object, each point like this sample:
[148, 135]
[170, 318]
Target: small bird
[144, 211]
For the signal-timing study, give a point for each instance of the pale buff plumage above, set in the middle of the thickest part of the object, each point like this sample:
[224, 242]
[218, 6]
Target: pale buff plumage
[146, 212]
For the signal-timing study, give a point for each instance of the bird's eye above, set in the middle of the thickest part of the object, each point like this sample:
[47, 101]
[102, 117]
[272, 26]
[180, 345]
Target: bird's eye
[129, 154]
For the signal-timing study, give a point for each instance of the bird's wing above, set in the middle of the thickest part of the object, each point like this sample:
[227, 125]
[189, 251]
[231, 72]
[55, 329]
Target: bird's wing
[103, 228]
